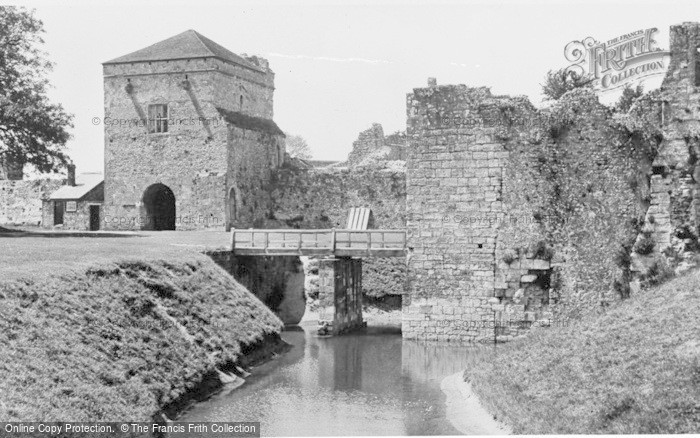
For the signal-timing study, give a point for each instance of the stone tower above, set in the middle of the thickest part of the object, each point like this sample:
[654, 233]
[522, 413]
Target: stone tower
[189, 137]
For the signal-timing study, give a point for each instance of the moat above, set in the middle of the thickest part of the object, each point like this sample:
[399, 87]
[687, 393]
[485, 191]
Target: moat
[370, 382]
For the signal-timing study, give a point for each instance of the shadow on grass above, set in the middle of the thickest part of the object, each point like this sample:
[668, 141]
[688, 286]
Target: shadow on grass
[11, 232]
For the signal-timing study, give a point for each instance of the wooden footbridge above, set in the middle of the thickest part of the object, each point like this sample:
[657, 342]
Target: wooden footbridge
[340, 268]
[354, 241]
[339, 243]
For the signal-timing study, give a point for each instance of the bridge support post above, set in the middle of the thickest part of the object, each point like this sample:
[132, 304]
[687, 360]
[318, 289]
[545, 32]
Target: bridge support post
[340, 295]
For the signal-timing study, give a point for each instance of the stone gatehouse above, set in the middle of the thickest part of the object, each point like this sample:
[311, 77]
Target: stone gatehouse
[189, 138]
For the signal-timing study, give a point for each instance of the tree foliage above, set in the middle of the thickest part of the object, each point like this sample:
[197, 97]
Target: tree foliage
[561, 81]
[32, 129]
[629, 95]
[297, 147]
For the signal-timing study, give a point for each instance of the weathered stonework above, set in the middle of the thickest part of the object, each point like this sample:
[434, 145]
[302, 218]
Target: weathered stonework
[219, 149]
[21, 201]
[78, 220]
[321, 198]
[340, 295]
[276, 281]
[372, 148]
[452, 171]
[514, 217]
[673, 218]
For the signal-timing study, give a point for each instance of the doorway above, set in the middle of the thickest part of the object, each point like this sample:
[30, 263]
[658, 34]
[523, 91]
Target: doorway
[159, 203]
[58, 212]
[94, 217]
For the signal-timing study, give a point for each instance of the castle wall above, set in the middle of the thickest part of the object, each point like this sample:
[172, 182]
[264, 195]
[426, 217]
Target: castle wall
[515, 216]
[316, 198]
[372, 147]
[253, 156]
[453, 171]
[21, 201]
[674, 215]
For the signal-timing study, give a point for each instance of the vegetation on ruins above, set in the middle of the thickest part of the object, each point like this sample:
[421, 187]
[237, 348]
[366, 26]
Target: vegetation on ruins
[628, 97]
[644, 245]
[297, 147]
[32, 129]
[559, 82]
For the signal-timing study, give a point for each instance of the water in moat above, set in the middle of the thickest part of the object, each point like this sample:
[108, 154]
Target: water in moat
[371, 382]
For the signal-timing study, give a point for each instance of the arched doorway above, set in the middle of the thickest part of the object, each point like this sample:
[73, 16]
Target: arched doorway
[231, 207]
[159, 203]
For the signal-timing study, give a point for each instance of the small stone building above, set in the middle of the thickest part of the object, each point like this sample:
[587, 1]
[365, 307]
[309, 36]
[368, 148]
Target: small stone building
[77, 205]
[189, 139]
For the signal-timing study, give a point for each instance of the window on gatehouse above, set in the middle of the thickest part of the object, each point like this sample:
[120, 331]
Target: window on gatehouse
[157, 118]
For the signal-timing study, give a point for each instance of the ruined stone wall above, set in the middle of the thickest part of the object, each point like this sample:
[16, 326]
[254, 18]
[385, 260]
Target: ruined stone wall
[515, 216]
[575, 185]
[454, 172]
[316, 198]
[672, 223]
[321, 198]
[21, 201]
[372, 148]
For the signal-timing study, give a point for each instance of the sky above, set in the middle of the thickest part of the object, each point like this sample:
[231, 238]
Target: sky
[340, 65]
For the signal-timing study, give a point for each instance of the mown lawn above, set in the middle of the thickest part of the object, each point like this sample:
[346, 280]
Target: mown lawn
[42, 254]
[635, 369]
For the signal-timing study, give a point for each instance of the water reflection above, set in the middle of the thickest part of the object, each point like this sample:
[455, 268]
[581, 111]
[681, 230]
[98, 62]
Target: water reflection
[367, 383]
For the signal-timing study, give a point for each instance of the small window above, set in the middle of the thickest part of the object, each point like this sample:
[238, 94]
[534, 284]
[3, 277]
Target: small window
[157, 119]
[71, 206]
[241, 103]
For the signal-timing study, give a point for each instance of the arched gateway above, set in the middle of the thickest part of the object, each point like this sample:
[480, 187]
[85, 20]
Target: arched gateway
[159, 205]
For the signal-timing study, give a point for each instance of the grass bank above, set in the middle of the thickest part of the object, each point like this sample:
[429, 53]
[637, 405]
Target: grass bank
[635, 369]
[124, 341]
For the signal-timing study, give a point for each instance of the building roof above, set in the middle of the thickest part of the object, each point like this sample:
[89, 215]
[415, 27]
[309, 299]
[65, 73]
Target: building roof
[84, 183]
[250, 123]
[186, 45]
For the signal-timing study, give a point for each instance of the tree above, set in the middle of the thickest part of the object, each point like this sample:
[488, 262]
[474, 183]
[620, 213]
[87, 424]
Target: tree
[297, 147]
[629, 95]
[559, 82]
[32, 129]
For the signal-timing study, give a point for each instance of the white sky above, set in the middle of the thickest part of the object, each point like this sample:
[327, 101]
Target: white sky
[340, 65]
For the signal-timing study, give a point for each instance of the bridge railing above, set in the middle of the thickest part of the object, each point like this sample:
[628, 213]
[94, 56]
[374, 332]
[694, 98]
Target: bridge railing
[385, 243]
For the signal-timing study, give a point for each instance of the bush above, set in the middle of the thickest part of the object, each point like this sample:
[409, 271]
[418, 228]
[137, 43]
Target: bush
[644, 245]
[509, 256]
[657, 273]
[622, 257]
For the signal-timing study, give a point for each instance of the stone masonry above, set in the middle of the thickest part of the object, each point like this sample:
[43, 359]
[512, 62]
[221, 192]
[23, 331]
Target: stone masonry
[218, 148]
[450, 172]
[340, 295]
[674, 214]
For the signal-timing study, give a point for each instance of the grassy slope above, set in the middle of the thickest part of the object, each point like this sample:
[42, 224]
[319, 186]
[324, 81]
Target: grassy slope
[635, 369]
[120, 340]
